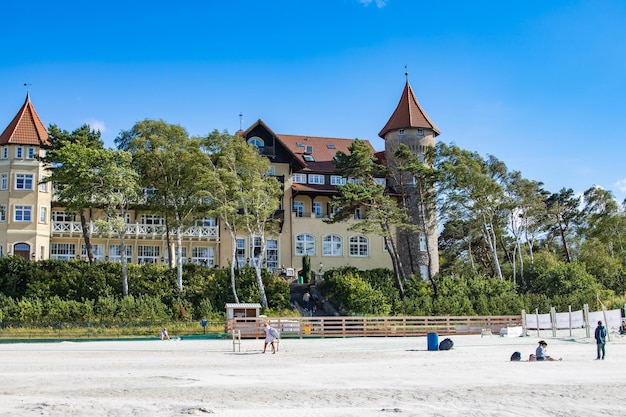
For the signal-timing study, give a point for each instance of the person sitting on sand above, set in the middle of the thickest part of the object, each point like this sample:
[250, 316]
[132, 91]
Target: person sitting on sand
[541, 353]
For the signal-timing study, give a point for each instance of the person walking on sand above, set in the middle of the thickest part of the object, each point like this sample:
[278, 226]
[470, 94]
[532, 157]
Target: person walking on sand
[271, 334]
[600, 336]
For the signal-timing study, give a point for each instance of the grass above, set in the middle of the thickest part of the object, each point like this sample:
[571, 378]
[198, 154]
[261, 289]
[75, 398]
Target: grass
[104, 330]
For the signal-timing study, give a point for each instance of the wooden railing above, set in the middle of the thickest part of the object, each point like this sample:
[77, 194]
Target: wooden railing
[371, 326]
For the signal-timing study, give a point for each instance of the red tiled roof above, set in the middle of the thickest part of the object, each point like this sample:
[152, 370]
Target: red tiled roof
[408, 114]
[26, 127]
[322, 149]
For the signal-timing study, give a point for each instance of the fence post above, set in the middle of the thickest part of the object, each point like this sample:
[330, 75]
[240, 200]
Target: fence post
[586, 318]
[553, 320]
[537, 316]
[570, 319]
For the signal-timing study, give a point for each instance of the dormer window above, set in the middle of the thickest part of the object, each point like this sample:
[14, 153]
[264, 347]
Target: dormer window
[420, 131]
[401, 132]
[258, 142]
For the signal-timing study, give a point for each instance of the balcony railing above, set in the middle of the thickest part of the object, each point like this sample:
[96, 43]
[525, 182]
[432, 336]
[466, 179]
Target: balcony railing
[136, 230]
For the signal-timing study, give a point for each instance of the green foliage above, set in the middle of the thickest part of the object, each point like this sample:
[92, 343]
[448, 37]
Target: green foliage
[353, 295]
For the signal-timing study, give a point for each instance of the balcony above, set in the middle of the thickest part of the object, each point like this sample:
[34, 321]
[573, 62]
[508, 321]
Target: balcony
[136, 231]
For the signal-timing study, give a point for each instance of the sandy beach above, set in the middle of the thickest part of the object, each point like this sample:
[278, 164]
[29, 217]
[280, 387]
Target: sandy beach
[313, 377]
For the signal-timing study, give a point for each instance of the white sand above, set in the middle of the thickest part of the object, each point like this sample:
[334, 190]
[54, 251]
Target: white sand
[312, 377]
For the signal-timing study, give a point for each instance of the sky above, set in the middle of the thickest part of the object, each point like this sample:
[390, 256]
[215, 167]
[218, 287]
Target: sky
[541, 85]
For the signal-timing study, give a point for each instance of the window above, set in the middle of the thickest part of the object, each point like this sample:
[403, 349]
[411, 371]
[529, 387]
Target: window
[298, 208]
[62, 251]
[422, 242]
[3, 213]
[381, 181]
[420, 131]
[332, 246]
[23, 181]
[114, 253]
[424, 272]
[330, 146]
[31, 153]
[4, 181]
[207, 222]
[317, 209]
[148, 254]
[337, 180]
[316, 179]
[401, 132]
[63, 216]
[96, 250]
[19, 152]
[23, 213]
[271, 254]
[5, 152]
[299, 178]
[151, 219]
[43, 214]
[258, 142]
[272, 171]
[359, 246]
[43, 186]
[355, 181]
[241, 252]
[204, 256]
[305, 244]
[255, 250]
[308, 158]
[358, 214]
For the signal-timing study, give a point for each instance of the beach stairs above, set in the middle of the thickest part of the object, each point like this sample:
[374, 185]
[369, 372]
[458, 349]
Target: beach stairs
[323, 308]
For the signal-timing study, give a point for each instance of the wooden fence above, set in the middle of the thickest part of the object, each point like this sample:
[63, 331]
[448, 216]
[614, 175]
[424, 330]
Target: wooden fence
[371, 326]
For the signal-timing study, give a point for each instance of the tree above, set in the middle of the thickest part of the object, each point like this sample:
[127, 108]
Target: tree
[169, 163]
[73, 161]
[471, 188]
[563, 214]
[120, 189]
[244, 196]
[381, 215]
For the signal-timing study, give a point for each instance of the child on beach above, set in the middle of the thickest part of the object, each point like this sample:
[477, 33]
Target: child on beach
[541, 353]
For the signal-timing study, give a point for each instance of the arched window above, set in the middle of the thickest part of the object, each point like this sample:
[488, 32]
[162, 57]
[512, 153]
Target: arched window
[258, 142]
[305, 244]
[332, 245]
[359, 246]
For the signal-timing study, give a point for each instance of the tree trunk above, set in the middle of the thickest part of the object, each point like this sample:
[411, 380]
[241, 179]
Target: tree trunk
[86, 236]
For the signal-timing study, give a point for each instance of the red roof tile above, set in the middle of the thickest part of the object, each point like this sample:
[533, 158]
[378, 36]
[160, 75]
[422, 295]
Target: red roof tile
[408, 114]
[26, 128]
[323, 150]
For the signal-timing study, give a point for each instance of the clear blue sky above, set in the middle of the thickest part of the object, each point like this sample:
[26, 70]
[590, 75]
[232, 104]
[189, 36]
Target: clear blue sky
[539, 84]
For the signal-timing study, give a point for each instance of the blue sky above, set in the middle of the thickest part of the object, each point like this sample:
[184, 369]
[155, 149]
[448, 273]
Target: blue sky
[539, 84]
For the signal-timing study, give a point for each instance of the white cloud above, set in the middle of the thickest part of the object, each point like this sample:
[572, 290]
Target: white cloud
[96, 125]
[378, 3]
[621, 184]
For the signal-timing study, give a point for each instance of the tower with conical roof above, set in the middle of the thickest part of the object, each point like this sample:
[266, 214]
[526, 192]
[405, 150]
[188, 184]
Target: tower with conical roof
[410, 125]
[24, 202]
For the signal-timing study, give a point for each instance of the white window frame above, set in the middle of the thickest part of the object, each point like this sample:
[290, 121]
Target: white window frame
[24, 182]
[272, 254]
[305, 244]
[151, 220]
[203, 255]
[381, 181]
[3, 212]
[43, 214]
[30, 154]
[114, 253]
[337, 180]
[241, 251]
[19, 152]
[316, 179]
[317, 208]
[298, 178]
[43, 186]
[298, 208]
[25, 213]
[5, 152]
[96, 250]
[63, 251]
[359, 246]
[4, 181]
[148, 254]
[422, 240]
[332, 245]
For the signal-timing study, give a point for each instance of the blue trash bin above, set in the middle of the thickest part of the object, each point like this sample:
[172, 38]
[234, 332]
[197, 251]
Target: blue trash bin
[433, 341]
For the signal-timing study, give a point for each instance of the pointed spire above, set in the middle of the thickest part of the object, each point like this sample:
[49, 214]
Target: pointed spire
[408, 113]
[26, 128]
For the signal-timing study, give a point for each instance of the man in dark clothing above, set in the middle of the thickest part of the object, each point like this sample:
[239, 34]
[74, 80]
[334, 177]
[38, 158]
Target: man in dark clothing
[600, 339]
